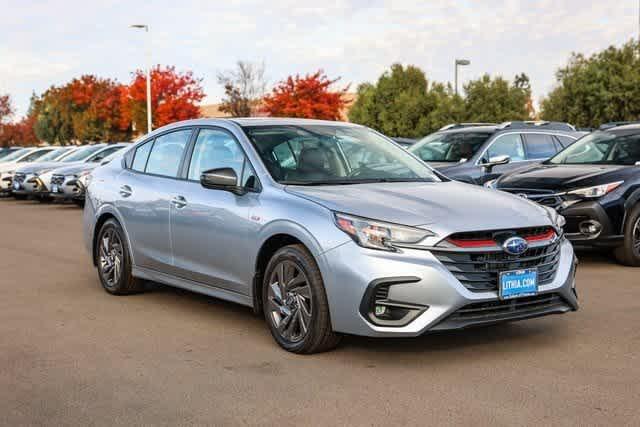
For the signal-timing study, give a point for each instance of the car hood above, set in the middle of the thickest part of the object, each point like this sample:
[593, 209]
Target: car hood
[462, 207]
[564, 177]
[9, 166]
[75, 168]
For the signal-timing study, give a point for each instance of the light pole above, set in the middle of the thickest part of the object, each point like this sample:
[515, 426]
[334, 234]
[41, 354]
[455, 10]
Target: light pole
[460, 62]
[146, 29]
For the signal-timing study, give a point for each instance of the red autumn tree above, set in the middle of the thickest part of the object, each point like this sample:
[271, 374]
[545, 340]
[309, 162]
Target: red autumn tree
[97, 109]
[174, 96]
[307, 97]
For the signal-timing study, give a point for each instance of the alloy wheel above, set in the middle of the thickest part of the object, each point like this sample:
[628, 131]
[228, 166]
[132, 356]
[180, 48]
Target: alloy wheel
[289, 301]
[111, 257]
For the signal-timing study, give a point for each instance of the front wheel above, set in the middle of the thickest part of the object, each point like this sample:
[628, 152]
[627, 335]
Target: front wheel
[295, 303]
[114, 261]
[629, 252]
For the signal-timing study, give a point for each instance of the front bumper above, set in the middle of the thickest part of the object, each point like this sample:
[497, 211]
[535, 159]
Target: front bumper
[67, 188]
[424, 283]
[580, 215]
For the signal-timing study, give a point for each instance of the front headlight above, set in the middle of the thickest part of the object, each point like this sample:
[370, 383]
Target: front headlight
[84, 178]
[374, 234]
[490, 184]
[596, 191]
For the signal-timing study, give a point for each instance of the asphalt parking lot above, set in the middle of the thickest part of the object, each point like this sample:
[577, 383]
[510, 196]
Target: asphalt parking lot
[72, 355]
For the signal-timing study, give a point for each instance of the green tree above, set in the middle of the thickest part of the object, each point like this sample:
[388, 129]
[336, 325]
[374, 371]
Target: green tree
[404, 103]
[597, 89]
[497, 100]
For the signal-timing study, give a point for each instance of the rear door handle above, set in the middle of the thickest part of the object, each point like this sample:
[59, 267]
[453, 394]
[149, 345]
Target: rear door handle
[179, 202]
[126, 191]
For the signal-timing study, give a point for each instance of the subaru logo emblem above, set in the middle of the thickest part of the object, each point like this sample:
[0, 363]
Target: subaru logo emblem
[515, 246]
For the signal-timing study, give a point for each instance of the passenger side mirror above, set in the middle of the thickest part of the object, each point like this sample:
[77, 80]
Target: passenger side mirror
[495, 161]
[222, 179]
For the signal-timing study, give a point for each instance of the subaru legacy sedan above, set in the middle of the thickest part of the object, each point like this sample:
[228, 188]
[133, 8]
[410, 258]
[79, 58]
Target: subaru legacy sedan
[326, 228]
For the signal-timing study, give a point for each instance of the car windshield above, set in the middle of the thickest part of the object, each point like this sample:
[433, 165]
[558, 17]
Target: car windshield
[83, 153]
[449, 146]
[333, 155]
[15, 155]
[605, 148]
[55, 154]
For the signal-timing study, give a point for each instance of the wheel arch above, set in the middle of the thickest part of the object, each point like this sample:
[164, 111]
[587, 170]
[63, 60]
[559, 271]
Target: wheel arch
[277, 236]
[103, 216]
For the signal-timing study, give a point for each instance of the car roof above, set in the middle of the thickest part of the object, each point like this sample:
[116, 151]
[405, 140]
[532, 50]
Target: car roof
[253, 121]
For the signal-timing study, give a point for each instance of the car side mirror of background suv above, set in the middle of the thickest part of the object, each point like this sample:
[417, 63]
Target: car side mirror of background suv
[222, 179]
[495, 161]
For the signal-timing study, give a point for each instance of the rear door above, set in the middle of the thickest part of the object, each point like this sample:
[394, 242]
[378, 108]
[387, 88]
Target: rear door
[144, 197]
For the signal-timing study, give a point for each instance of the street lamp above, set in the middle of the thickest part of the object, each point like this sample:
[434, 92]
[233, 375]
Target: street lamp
[460, 62]
[146, 29]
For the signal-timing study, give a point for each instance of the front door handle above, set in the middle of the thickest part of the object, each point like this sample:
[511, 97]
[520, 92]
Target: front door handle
[179, 202]
[125, 191]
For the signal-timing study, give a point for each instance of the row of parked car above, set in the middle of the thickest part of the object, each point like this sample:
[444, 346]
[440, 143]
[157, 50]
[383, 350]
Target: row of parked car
[47, 173]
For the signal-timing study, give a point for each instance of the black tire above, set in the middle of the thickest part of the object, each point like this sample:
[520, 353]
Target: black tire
[319, 335]
[112, 243]
[629, 253]
[20, 196]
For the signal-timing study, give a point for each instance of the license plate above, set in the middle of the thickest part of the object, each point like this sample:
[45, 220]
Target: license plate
[518, 283]
[54, 188]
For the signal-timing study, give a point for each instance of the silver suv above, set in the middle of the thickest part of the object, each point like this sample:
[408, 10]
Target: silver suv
[326, 228]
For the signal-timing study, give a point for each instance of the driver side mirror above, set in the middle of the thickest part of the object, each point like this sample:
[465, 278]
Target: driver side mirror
[495, 161]
[222, 179]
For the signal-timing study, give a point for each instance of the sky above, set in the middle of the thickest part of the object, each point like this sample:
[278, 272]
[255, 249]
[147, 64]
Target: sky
[44, 43]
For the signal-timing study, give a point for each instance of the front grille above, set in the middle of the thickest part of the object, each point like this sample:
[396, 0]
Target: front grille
[57, 180]
[479, 271]
[19, 177]
[493, 311]
[491, 234]
[543, 197]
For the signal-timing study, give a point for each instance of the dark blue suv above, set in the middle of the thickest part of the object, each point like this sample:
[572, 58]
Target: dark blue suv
[477, 154]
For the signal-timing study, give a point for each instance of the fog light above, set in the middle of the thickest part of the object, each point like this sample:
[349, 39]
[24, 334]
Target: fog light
[380, 310]
[590, 227]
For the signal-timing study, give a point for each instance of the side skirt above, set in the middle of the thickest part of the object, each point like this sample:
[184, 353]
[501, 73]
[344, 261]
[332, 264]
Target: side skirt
[190, 285]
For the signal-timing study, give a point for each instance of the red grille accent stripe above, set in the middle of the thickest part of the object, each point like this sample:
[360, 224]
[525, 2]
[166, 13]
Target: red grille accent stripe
[473, 243]
[550, 234]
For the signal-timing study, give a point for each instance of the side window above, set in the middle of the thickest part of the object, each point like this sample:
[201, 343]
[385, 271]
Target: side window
[166, 153]
[141, 155]
[507, 145]
[565, 141]
[99, 156]
[539, 146]
[215, 148]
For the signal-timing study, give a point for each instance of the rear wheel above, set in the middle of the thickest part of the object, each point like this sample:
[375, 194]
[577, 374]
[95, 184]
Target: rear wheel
[295, 303]
[629, 252]
[114, 261]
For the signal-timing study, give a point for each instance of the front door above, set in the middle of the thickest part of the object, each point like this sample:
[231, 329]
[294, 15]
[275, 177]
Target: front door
[211, 229]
